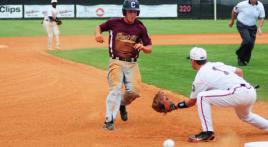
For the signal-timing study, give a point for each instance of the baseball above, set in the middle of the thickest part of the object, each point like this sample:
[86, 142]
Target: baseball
[169, 143]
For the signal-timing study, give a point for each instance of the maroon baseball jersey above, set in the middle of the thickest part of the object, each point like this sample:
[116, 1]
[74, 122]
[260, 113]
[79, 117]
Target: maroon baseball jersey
[123, 36]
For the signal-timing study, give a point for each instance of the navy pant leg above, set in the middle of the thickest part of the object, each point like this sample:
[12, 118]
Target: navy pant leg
[252, 32]
[248, 35]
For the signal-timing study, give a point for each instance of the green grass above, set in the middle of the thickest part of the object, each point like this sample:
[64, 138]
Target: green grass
[167, 67]
[11, 28]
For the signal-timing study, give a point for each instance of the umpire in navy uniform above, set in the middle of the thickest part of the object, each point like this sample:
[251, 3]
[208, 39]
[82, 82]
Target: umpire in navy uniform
[247, 13]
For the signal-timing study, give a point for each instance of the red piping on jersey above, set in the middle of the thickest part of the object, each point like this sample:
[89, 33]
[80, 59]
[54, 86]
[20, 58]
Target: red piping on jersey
[214, 96]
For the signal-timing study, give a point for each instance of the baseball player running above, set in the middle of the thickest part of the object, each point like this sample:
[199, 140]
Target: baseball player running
[51, 26]
[221, 85]
[127, 37]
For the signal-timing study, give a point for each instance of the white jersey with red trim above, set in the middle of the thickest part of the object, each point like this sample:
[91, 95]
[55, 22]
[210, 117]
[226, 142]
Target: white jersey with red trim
[217, 84]
[215, 75]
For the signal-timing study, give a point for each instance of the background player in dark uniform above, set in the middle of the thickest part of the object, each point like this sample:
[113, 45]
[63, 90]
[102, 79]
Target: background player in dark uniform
[127, 37]
[247, 13]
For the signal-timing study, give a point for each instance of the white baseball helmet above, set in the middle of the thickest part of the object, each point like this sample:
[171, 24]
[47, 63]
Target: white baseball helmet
[198, 53]
[54, 1]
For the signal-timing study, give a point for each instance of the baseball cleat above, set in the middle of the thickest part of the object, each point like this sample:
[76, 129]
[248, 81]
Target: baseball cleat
[123, 113]
[202, 137]
[241, 63]
[108, 125]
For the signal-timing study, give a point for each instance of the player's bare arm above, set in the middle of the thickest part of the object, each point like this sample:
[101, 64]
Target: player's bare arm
[239, 72]
[98, 37]
[146, 49]
[190, 102]
[261, 21]
[233, 17]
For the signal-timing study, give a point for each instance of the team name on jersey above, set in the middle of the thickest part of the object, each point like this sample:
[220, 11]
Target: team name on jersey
[121, 36]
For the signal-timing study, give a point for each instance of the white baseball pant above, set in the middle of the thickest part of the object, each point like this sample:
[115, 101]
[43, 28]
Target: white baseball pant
[52, 29]
[240, 97]
[120, 73]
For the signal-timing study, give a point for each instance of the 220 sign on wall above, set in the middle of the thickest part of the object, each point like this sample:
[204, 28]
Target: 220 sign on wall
[185, 8]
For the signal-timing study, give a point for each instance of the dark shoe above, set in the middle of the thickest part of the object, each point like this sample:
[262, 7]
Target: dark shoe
[108, 125]
[202, 137]
[123, 113]
[241, 63]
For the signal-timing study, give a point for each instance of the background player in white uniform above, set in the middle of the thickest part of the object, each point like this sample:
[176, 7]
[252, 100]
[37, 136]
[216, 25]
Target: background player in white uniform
[221, 85]
[51, 26]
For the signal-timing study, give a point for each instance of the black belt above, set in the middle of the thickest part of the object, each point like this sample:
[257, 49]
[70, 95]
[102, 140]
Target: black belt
[126, 59]
[242, 85]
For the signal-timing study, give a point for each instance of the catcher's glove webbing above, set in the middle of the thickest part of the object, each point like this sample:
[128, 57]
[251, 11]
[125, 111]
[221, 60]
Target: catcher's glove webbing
[162, 104]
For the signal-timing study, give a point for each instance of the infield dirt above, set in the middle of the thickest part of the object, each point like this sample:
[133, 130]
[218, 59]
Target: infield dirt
[48, 101]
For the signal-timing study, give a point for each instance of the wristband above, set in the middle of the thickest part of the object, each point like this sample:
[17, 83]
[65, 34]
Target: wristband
[182, 105]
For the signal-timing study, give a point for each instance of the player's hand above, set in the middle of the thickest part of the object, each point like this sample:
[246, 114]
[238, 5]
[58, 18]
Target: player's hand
[99, 38]
[259, 30]
[138, 46]
[231, 23]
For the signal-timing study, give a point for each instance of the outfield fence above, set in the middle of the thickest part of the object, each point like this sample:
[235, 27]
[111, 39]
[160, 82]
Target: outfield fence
[187, 9]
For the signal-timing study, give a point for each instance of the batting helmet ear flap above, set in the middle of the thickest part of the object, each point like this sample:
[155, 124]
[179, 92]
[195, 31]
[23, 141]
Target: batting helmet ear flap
[124, 12]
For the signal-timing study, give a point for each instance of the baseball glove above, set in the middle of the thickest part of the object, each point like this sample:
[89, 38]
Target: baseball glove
[58, 21]
[162, 104]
